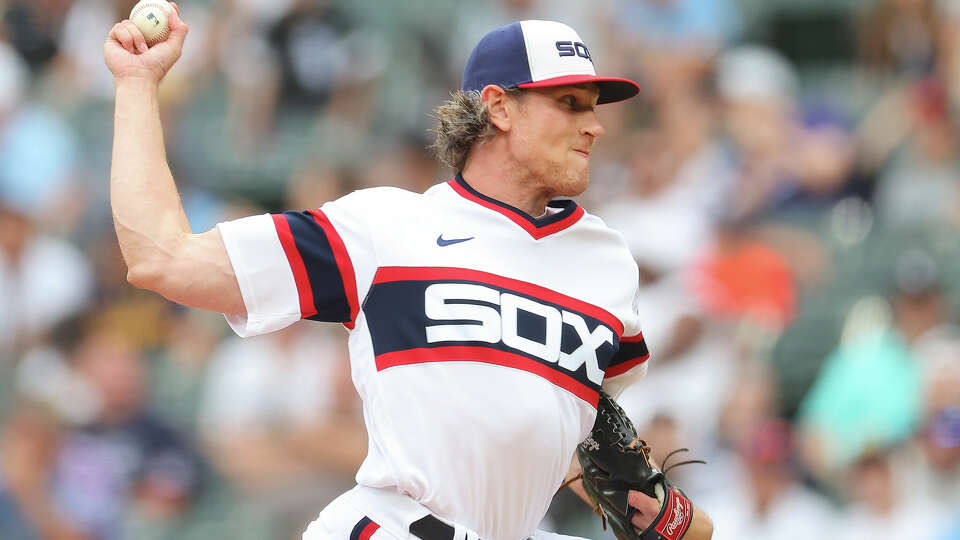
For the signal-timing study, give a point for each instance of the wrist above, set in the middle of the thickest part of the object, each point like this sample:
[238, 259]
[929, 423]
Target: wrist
[136, 82]
[676, 515]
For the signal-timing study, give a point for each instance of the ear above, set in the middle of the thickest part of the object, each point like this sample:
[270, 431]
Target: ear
[495, 99]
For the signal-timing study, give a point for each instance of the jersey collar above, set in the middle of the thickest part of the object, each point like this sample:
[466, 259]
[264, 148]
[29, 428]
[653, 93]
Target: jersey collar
[570, 212]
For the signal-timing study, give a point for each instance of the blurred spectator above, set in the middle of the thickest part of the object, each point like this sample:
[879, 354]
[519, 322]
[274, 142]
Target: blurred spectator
[689, 352]
[13, 83]
[702, 26]
[758, 90]
[670, 44]
[178, 368]
[45, 375]
[883, 506]
[38, 153]
[408, 164]
[319, 49]
[900, 37]
[921, 171]
[313, 185]
[941, 446]
[81, 47]
[29, 444]
[868, 393]
[271, 408]
[33, 27]
[665, 219]
[824, 165]
[125, 465]
[767, 499]
[787, 158]
[38, 150]
[42, 280]
[678, 173]
[932, 463]
[948, 12]
[743, 278]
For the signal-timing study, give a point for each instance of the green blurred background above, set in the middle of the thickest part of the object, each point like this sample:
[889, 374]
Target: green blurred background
[788, 181]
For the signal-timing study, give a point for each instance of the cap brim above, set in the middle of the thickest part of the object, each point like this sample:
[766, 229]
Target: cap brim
[612, 89]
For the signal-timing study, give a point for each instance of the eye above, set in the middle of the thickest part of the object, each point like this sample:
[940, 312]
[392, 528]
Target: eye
[569, 100]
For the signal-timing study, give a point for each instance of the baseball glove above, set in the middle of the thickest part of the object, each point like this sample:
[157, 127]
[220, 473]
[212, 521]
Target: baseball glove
[614, 461]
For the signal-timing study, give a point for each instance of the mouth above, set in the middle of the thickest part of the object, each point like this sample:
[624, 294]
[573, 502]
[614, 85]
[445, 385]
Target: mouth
[584, 153]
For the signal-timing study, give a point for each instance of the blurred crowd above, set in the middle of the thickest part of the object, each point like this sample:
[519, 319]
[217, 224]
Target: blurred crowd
[789, 183]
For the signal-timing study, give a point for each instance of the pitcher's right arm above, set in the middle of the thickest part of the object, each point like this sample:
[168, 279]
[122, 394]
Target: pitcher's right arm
[161, 252]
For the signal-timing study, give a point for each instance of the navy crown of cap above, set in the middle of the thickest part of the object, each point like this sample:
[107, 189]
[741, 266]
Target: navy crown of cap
[499, 58]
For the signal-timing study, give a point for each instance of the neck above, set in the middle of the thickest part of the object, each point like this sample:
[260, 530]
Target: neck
[501, 179]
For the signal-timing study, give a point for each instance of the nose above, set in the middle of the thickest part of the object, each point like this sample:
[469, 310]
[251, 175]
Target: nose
[592, 126]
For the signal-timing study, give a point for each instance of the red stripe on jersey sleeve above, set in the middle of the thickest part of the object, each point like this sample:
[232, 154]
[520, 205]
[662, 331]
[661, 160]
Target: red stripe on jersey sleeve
[624, 367]
[344, 264]
[304, 290]
[368, 531]
[418, 273]
[487, 356]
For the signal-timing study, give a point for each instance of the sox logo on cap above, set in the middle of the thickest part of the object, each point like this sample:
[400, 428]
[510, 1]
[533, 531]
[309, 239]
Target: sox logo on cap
[533, 54]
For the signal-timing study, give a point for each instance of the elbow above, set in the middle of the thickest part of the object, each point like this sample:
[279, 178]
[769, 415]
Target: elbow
[144, 276]
[150, 267]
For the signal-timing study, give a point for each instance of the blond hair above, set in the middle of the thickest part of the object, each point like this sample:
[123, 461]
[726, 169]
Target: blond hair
[462, 121]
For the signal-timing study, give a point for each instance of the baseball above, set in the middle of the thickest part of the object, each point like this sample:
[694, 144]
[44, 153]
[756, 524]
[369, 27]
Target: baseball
[150, 16]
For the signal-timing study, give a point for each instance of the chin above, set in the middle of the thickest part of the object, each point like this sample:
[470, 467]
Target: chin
[576, 184]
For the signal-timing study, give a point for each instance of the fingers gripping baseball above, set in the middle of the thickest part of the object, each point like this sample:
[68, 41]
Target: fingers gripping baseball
[128, 54]
[129, 37]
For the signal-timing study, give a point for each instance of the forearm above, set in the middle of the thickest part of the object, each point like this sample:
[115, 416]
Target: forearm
[701, 528]
[147, 211]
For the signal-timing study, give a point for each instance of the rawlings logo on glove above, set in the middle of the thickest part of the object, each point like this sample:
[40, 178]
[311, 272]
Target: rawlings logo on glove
[679, 510]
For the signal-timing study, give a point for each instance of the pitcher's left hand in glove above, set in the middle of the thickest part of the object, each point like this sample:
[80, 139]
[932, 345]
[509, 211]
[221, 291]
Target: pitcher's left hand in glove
[614, 462]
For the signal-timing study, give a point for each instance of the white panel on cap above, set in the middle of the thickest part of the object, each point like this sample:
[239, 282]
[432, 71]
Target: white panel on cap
[541, 38]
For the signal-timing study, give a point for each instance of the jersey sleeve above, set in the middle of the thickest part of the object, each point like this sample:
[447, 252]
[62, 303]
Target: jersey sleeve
[629, 363]
[313, 265]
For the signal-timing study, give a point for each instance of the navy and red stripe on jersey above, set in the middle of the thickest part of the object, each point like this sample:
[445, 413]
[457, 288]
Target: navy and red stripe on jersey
[321, 266]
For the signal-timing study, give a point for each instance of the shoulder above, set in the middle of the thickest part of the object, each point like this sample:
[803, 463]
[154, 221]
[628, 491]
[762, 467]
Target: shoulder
[375, 201]
[378, 195]
[596, 222]
[606, 237]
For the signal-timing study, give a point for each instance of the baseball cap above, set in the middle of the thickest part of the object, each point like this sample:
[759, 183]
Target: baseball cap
[537, 54]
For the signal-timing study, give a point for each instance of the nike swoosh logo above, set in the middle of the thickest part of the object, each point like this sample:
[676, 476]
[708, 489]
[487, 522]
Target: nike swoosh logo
[441, 242]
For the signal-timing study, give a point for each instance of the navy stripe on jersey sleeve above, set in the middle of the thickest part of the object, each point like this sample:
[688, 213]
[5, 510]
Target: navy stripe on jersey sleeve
[632, 352]
[320, 265]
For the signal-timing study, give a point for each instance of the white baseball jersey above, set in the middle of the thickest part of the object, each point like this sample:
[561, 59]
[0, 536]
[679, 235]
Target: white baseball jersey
[480, 336]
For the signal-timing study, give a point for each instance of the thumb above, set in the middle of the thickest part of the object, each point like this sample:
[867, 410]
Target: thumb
[178, 28]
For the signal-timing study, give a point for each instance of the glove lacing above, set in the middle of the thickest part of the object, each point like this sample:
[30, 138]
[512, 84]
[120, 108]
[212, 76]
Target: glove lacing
[643, 445]
[687, 462]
